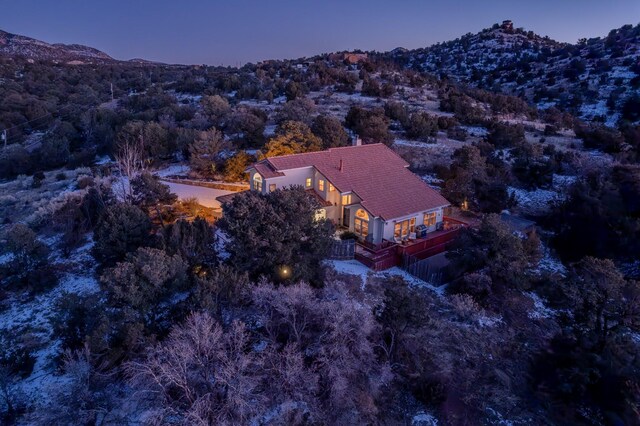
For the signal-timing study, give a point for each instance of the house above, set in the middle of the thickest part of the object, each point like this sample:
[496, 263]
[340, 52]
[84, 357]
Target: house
[367, 189]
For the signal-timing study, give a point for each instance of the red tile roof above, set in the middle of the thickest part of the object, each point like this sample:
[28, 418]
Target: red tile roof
[376, 174]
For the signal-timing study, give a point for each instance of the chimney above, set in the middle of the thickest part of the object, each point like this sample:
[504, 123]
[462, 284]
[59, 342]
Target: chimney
[357, 141]
[341, 165]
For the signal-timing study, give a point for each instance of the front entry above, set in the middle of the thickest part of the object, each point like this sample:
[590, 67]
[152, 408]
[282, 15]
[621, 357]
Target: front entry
[345, 216]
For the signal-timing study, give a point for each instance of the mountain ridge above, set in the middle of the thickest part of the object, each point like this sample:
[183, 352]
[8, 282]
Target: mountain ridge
[31, 48]
[598, 78]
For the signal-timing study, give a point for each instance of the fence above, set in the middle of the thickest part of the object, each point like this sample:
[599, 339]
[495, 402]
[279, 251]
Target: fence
[343, 250]
[425, 269]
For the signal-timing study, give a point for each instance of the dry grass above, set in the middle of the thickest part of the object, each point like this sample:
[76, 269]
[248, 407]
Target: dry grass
[20, 201]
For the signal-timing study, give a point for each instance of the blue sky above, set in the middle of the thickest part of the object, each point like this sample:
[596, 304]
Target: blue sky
[233, 32]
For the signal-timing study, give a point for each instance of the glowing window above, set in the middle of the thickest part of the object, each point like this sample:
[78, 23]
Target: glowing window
[331, 187]
[429, 219]
[307, 183]
[257, 182]
[361, 223]
[320, 184]
[362, 214]
[404, 228]
[346, 199]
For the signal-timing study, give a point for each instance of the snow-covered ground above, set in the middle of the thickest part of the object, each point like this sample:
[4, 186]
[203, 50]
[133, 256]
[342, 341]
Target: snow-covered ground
[417, 144]
[173, 170]
[205, 196]
[433, 181]
[539, 200]
[534, 202]
[34, 316]
[353, 267]
[549, 264]
[540, 309]
[424, 419]
[476, 131]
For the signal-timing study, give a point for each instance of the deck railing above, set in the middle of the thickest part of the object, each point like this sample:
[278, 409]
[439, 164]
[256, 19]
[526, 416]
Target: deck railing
[388, 253]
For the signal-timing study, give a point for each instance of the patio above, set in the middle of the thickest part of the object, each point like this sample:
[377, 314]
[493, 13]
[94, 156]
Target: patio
[388, 254]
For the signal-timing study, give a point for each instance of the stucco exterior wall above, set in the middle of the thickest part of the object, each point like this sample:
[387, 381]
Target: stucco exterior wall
[389, 225]
[292, 177]
[378, 228]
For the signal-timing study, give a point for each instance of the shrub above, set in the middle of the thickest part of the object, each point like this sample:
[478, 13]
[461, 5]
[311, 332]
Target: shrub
[122, 228]
[276, 234]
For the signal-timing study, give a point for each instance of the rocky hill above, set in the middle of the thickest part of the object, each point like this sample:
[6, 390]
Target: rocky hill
[598, 79]
[17, 45]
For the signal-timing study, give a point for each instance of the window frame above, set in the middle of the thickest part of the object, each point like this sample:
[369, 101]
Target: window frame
[308, 183]
[321, 185]
[403, 228]
[258, 182]
[430, 219]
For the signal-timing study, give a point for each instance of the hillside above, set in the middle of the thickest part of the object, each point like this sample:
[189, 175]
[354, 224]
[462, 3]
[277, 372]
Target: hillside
[119, 265]
[17, 45]
[596, 79]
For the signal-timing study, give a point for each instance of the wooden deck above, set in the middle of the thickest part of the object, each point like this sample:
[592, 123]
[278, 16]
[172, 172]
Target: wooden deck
[389, 254]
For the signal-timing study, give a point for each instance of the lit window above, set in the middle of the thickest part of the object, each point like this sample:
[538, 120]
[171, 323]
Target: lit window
[307, 183]
[257, 182]
[361, 223]
[272, 187]
[320, 184]
[430, 219]
[404, 228]
[346, 199]
[331, 187]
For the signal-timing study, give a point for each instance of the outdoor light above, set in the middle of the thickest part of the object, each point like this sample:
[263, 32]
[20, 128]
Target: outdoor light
[284, 272]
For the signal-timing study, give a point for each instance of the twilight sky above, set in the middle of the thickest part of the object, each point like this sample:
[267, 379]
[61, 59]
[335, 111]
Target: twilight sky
[233, 32]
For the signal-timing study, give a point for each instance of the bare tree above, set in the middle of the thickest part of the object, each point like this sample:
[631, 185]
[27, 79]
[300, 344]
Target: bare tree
[201, 375]
[130, 162]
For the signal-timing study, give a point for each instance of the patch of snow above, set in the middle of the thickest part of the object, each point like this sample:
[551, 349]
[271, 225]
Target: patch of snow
[549, 264]
[621, 72]
[270, 130]
[432, 180]
[476, 131]
[173, 170]
[424, 419]
[417, 144]
[563, 182]
[594, 110]
[540, 310]
[221, 241]
[631, 269]
[35, 315]
[505, 155]
[534, 202]
[353, 267]
[486, 321]
[187, 97]
[6, 258]
[105, 159]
